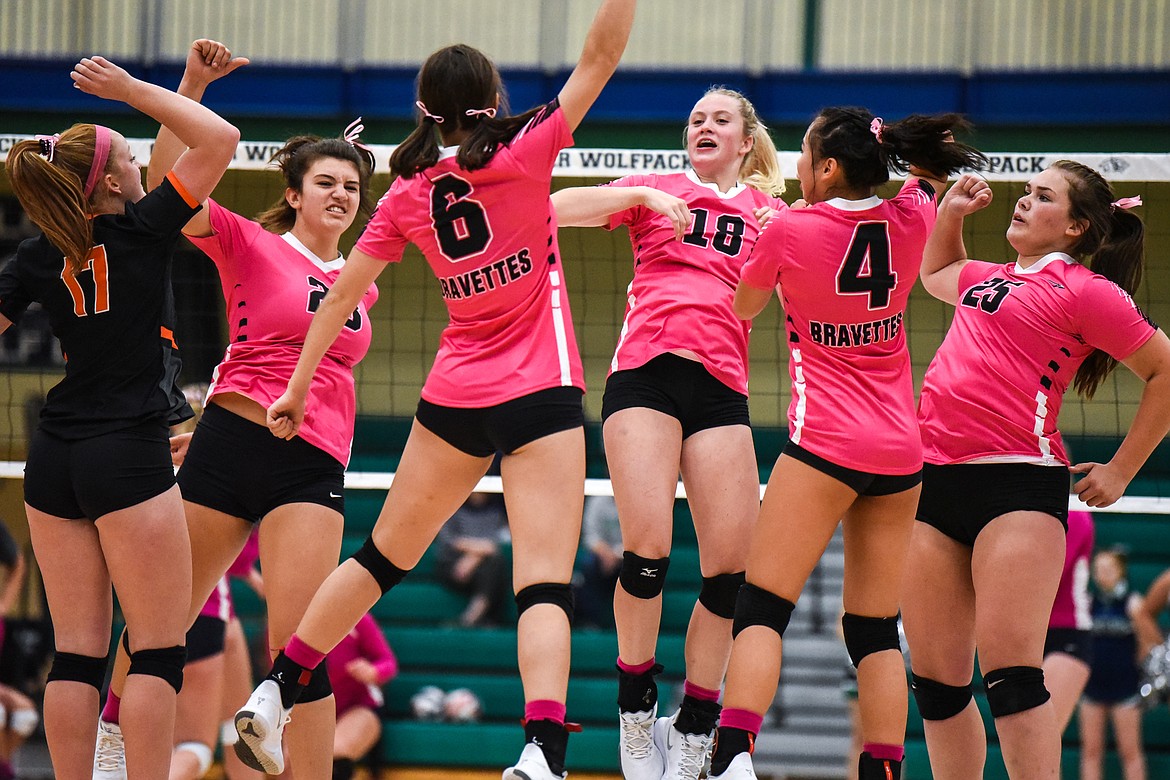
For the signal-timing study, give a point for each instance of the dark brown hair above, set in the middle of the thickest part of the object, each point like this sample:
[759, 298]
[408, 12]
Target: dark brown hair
[1112, 245]
[294, 160]
[866, 157]
[451, 82]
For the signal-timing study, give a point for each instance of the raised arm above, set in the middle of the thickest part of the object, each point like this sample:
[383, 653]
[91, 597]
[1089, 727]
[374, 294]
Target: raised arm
[592, 206]
[287, 412]
[604, 45]
[207, 61]
[945, 255]
[211, 140]
[1104, 483]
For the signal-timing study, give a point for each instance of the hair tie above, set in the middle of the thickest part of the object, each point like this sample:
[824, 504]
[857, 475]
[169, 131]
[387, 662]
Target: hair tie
[48, 145]
[351, 133]
[875, 127]
[1126, 203]
[438, 120]
[101, 153]
[490, 113]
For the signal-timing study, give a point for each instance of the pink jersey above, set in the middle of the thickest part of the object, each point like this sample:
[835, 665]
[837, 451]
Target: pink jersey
[995, 386]
[1071, 607]
[680, 297]
[364, 641]
[845, 269]
[219, 604]
[490, 236]
[272, 285]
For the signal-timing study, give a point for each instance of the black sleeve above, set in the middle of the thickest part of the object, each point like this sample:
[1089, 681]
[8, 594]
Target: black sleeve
[15, 296]
[163, 210]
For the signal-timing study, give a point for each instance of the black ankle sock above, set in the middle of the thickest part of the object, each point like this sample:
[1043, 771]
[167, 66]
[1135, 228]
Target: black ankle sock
[697, 716]
[870, 768]
[290, 677]
[638, 692]
[342, 768]
[552, 738]
[729, 743]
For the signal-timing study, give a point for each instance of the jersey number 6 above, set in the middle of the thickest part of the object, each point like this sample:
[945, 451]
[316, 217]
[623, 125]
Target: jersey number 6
[461, 225]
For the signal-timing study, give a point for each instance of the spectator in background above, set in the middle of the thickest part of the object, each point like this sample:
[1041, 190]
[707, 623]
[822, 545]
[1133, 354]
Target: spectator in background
[471, 560]
[1068, 646]
[358, 668]
[1112, 690]
[601, 543]
[12, 571]
[18, 720]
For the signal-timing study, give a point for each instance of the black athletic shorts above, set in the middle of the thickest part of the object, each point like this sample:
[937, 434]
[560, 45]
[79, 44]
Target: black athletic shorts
[679, 387]
[962, 498]
[98, 475]
[205, 638]
[238, 467]
[506, 427]
[1071, 641]
[862, 483]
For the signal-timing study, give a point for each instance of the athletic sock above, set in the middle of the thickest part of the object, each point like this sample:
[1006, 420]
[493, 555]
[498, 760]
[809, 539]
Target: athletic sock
[290, 677]
[112, 710]
[637, 691]
[697, 716]
[552, 738]
[729, 743]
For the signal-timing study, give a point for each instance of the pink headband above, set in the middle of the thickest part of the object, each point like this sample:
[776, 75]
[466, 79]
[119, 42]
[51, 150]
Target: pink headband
[101, 153]
[875, 127]
[1127, 203]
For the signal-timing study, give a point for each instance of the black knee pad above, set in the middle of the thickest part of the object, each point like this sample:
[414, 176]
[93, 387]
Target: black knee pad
[318, 686]
[865, 635]
[937, 701]
[758, 607]
[1014, 689]
[643, 578]
[163, 662]
[718, 593]
[370, 558]
[78, 668]
[558, 594]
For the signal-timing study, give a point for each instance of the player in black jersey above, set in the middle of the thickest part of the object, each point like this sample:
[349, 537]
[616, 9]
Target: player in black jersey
[100, 492]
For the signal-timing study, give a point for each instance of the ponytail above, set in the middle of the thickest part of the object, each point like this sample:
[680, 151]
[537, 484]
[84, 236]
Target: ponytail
[868, 150]
[1112, 245]
[52, 192]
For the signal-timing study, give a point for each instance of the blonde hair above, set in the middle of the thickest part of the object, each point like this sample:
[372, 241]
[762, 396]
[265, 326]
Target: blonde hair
[53, 194]
[760, 168]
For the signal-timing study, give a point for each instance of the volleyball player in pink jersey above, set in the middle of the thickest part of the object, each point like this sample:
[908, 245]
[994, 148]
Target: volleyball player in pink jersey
[473, 194]
[358, 668]
[275, 272]
[1068, 643]
[843, 268]
[676, 401]
[989, 545]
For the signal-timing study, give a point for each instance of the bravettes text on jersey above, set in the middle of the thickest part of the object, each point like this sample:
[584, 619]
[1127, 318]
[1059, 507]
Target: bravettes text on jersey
[490, 236]
[115, 317]
[845, 269]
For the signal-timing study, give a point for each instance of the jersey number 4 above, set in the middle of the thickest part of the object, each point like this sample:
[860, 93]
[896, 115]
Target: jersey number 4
[866, 268]
[461, 224]
[96, 264]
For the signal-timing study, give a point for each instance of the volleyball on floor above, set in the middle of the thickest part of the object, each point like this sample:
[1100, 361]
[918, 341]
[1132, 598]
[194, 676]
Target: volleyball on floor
[462, 705]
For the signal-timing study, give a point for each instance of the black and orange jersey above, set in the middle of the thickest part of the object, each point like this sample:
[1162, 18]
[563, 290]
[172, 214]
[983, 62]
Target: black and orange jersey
[114, 318]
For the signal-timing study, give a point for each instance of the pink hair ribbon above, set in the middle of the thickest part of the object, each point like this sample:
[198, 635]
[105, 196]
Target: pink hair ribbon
[1127, 203]
[48, 144]
[423, 108]
[875, 127]
[351, 133]
[490, 113]
[101, 153]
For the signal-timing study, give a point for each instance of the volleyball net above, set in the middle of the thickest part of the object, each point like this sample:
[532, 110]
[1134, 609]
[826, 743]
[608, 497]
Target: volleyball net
[410, 314]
